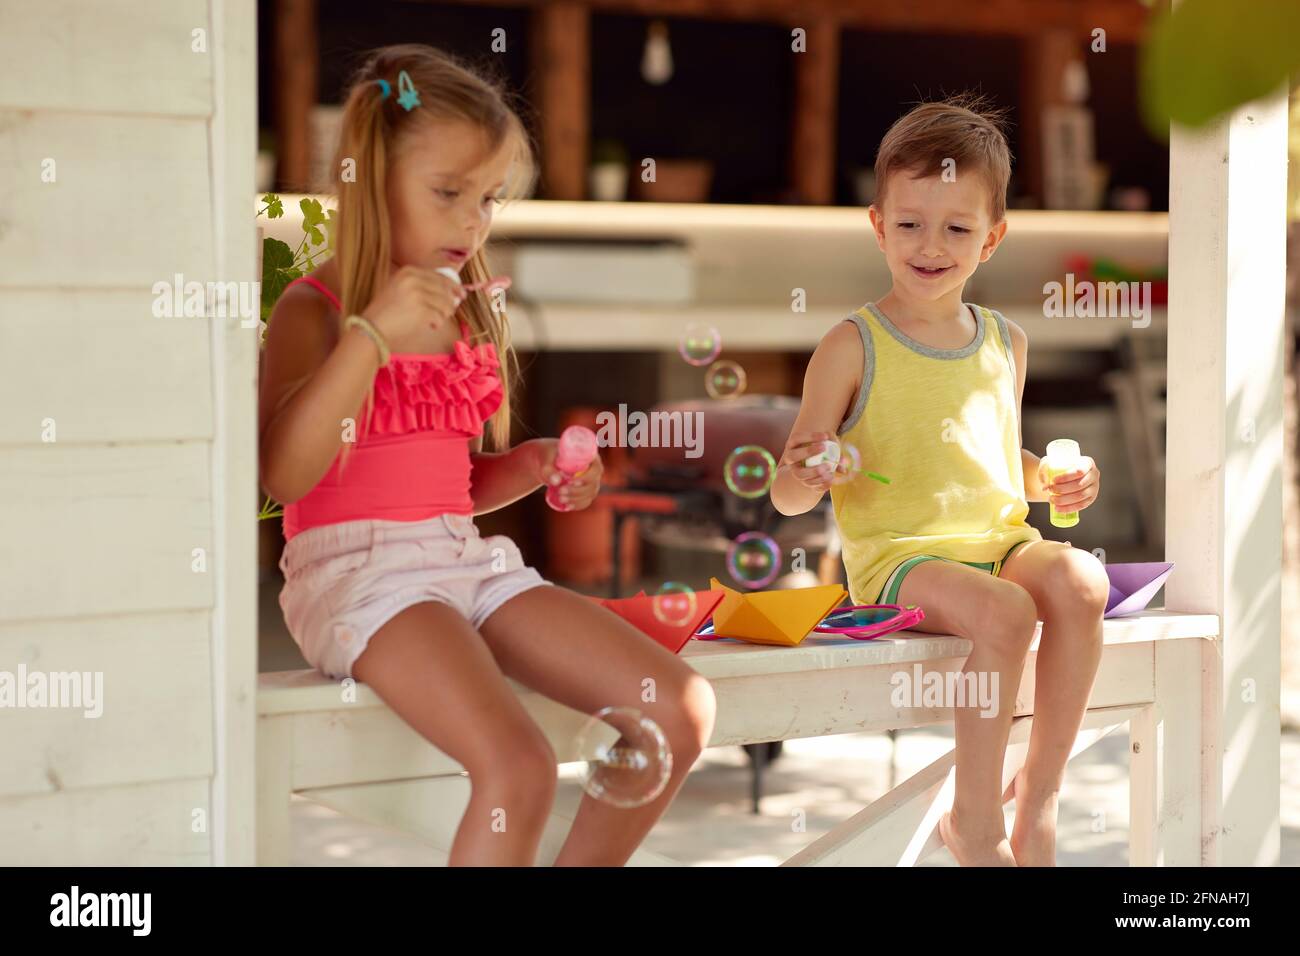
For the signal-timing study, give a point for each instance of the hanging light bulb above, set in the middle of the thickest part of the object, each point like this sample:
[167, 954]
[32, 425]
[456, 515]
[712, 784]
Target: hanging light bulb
[657, 58]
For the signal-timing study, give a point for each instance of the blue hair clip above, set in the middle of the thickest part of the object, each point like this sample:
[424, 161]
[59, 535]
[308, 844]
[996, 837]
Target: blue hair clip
[383, 85]
[406, 94]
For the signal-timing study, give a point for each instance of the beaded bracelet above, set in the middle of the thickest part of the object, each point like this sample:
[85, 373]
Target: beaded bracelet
[365, 325]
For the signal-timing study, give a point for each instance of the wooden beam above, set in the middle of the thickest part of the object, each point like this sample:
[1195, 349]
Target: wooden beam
[1173, 776]
[295, 81]
[1124, 20]
[816, 99]
[561, 61]
[1044, 57]
[901, 828]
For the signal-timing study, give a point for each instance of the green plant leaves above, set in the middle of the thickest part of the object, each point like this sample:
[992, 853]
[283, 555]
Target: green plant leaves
[280, 264]
[1208, 57]
[330, 221]
[278, 271]
[312, 218]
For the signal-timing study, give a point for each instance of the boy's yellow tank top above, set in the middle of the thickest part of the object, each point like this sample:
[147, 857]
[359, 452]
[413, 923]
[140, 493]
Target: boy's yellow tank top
[941, 425]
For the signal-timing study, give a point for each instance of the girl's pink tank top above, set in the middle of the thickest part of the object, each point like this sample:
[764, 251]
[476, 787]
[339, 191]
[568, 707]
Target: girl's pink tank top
[413, 462]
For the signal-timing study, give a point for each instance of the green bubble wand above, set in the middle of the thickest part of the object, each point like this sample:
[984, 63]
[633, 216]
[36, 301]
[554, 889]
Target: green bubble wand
[832, 455]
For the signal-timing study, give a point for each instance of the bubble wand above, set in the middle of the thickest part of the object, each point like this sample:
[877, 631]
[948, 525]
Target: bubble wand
[576, 451]
[489, 285]
[832, 455]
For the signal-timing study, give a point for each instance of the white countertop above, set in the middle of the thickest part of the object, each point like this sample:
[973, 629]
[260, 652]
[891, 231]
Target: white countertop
[749, 258]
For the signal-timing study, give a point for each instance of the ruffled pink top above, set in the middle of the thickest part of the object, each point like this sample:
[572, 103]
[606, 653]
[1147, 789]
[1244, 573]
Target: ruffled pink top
[412, 461]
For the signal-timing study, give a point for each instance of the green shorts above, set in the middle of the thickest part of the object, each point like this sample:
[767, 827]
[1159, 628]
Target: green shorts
[889, 593]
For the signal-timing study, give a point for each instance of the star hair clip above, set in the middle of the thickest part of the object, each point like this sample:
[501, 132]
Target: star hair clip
[407, 97]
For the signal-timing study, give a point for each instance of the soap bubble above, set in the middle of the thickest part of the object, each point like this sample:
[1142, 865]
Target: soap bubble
[725, 379]
[700, 344]
[754, 559]
[750, 471]
[627, 756]
[850, 464]
[674, 604]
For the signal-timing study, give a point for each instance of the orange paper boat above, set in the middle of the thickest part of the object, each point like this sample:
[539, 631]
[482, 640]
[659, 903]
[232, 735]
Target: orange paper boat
[680, 615]
[773, 617]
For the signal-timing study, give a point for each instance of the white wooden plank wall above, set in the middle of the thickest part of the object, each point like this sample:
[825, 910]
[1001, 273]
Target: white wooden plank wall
[153, 424]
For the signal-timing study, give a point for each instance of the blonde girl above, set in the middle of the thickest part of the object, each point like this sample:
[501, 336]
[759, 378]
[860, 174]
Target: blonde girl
[381, 378]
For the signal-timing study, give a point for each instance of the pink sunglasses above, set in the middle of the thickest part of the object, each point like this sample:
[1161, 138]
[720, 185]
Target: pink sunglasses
[862, 622]
[865, 621]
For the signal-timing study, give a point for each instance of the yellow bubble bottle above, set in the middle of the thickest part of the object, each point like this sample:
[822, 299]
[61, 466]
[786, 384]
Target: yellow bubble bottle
[1062, 456]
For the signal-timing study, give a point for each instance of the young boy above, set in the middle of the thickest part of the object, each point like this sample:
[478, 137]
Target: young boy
[928, 389]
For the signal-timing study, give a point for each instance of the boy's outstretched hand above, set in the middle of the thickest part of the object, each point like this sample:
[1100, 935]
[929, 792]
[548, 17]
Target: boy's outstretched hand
[1074, 490]
[801, 446]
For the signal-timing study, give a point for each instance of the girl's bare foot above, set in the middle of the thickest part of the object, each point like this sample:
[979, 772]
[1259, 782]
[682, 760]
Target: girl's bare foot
[1033, 837]
[975, 849]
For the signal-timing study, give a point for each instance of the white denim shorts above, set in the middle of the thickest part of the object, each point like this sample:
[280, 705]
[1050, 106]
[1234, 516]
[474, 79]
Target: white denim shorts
[344, 581]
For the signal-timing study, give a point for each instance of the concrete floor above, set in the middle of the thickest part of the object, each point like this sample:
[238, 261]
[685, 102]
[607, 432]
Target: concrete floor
[828, 778]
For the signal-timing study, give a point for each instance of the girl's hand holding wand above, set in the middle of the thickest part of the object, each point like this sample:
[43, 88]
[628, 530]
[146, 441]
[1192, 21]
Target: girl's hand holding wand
[575, 492]
[412, 298]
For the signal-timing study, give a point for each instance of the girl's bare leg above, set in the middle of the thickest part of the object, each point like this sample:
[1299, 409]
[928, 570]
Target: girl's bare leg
[437, 674]
[585, 656]
[998, 618]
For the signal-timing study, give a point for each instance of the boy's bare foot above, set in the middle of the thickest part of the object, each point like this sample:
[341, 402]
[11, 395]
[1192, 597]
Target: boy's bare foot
[972, 849]
[1033, 837]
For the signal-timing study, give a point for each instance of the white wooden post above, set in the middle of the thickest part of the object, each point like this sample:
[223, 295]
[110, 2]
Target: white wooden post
[1227, 242]
[234, 354]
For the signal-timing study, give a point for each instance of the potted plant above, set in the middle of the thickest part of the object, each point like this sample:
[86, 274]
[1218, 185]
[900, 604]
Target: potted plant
[607, 177]
[281, 265]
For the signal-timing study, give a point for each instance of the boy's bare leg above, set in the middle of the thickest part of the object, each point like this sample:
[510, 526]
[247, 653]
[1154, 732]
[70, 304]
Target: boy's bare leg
[998, 618]
[1069, 587]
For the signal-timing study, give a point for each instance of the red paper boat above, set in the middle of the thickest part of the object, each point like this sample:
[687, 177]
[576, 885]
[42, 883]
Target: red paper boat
[680, 615]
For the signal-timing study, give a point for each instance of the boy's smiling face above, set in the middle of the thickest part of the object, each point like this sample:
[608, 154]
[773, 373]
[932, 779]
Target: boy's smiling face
[935, 233]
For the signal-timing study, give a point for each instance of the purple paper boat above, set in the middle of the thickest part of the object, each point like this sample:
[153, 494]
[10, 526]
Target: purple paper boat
[1132, 586]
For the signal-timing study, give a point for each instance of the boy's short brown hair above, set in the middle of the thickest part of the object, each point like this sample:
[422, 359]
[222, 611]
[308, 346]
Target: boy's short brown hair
[965, 129]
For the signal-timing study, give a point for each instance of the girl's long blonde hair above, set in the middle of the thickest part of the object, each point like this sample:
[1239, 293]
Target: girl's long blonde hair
[373, 128]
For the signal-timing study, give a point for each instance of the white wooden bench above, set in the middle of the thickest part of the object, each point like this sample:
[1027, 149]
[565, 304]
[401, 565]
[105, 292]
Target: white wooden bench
[361, 759]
